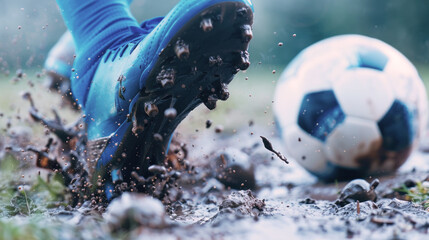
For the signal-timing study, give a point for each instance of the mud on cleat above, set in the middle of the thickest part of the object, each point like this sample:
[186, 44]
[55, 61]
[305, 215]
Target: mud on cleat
[189, 58]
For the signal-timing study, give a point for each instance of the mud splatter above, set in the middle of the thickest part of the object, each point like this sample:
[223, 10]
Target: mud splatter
[269, 147]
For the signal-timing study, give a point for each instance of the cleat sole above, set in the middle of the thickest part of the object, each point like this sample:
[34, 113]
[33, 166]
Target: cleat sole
[175, 87]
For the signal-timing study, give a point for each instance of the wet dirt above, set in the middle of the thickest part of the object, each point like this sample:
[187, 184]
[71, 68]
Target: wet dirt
[227, 185]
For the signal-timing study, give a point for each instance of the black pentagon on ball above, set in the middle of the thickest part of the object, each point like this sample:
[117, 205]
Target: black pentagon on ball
[320, 113]
[396, 127]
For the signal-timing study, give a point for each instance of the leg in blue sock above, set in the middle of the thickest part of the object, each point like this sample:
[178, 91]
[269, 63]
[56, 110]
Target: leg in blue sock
[96, 25]
[137, 83]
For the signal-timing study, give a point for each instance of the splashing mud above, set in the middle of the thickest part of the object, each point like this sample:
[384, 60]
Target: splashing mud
[221, 184]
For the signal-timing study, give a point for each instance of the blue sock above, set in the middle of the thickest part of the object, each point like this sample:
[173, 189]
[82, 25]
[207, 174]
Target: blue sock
[96, 25]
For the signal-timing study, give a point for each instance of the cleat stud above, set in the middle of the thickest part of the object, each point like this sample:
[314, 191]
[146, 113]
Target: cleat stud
[246, 32]
[212, 61]
[166, 83]
[138, 125]
[156, 169]
[182, 50]
[137, 128]
[170, 113]
[206, 24]
[244, 60]
[211, 102]
[166, 77]
[219, 18]
[151, 109]
[215, 61]
[138, 119]
[157, 137]
[219, 60]
[241, 12]
[224, 92]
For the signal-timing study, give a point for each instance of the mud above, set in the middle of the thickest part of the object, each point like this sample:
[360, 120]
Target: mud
[219, 185]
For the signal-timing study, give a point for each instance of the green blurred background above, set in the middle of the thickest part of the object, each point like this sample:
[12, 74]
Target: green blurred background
[29, 28]
[403, 24]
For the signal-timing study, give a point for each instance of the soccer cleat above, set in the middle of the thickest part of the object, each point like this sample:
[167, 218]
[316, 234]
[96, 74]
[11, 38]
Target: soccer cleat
[60, 59]
[142, 90]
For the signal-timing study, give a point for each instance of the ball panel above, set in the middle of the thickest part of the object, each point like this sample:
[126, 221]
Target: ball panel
[370, 57]
[352, 142]
[412, 93]
[319, 114]
[287, 101]
[397, 128]
[364, 93]
[289, 95]
[304, 148]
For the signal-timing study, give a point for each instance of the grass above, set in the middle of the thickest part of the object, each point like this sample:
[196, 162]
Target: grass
[418, 194]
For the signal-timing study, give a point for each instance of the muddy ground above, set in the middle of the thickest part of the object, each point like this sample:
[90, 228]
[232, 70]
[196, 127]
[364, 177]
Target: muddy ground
[236, 189]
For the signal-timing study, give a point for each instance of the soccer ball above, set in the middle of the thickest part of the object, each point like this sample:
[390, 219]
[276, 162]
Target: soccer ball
[350, 106]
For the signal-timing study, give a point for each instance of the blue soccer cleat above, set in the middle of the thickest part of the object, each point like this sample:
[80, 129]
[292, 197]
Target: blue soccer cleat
[144, 88]
[60, 59]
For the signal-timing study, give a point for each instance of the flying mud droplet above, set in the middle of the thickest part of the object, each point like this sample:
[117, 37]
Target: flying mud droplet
[218, 129]
[251, 123]
[208, 123]
[269, 147]
[19, 73]
[27, 96]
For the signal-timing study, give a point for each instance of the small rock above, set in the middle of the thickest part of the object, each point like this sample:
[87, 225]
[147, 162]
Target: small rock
[19, 73]
[218, 129]
[308, 201]
[134, 210]
[358, 190]
[243, 202]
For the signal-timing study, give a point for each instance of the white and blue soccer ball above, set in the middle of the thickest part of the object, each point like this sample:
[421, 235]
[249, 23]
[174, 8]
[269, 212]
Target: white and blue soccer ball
[350, 106]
